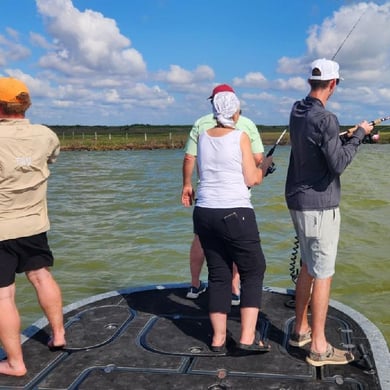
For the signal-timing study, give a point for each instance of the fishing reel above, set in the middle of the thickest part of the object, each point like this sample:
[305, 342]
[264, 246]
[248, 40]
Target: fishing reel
[271, 169]
[371, 138]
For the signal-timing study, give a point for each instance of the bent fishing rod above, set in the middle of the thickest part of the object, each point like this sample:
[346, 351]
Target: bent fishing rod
[347, 36]
[272, 167]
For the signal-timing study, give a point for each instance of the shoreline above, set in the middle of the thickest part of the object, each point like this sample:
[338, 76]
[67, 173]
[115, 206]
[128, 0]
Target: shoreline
[147, 137]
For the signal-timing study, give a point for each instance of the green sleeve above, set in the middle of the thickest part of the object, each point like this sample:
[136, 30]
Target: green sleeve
[202, 124]
[251, 129]
[191, 145]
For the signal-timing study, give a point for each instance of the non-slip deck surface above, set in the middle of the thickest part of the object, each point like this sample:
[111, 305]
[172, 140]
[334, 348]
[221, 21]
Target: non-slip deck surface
[158, 339]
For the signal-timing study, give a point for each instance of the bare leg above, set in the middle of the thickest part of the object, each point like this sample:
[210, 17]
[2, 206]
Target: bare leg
[235, 281]
[50, 300]
[196, 261]
[319, 309]
[10, 333]
[248, 324]
[302, 300]
[219, 324]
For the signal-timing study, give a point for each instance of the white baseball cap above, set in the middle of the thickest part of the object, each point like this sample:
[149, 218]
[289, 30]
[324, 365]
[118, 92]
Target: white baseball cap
[323, 69]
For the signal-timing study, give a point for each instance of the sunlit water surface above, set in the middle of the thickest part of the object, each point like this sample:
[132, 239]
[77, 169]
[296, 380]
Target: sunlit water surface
[117, 222]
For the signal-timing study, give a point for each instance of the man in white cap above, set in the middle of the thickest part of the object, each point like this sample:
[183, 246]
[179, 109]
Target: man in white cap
[196, 252]
[25, 151]
[318, 158]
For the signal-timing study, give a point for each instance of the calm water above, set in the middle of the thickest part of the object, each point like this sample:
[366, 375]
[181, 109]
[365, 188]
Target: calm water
[117, 221]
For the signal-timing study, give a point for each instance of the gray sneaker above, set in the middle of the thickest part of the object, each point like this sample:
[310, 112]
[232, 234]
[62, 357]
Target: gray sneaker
[331, 356]
[300, 340]
[235, 300]
[194, 292]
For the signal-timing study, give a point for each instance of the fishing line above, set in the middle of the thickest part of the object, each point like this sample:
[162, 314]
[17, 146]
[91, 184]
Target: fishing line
[350, 32]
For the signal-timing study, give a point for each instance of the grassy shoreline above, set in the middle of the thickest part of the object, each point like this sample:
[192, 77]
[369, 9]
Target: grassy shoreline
[147, 137]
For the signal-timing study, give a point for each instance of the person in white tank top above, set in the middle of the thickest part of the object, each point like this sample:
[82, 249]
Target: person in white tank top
[226, 224]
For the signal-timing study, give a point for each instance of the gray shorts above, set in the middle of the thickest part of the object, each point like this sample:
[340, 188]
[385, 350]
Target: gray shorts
[318, 233]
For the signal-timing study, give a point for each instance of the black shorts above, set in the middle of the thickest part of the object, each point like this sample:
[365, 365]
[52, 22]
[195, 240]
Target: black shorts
[23, 254]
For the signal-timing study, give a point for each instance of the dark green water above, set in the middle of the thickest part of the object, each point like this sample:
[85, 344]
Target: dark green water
[117, 222]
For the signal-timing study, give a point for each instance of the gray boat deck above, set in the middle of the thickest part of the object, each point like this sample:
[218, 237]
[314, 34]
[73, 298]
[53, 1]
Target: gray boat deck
[154, 338]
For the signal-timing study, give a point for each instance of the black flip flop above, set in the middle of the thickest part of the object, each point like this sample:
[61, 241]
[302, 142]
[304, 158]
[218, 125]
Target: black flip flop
[54, 348]
[255, 347]
[223, 349]
[219, 349]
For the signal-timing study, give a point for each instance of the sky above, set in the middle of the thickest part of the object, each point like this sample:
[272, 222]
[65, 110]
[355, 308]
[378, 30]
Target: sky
[100, 62]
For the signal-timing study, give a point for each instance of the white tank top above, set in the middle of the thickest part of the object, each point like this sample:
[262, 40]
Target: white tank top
[222, 182]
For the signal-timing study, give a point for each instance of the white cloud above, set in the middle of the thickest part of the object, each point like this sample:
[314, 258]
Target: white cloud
[292, 84]
[12, 33]
[40, 41]
[288, 65]
[11, 49]
[264, 96]
[88, 41]
[87, 65]
[358, 36]
[178, 76]
[251, 80]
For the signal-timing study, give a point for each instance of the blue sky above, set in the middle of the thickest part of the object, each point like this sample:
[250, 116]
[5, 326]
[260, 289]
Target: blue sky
[100, 62]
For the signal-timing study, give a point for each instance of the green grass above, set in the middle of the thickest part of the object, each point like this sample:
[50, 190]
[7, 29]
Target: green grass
[154, 137]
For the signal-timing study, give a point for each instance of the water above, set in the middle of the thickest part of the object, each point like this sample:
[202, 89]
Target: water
[117, 222]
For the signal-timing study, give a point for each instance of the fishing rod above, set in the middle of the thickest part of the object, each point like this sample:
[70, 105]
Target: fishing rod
[294, 270]
[347, 36]
[373, 123]
[272, 167]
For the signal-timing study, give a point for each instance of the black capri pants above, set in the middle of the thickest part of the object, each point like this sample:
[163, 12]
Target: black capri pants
[227, 236]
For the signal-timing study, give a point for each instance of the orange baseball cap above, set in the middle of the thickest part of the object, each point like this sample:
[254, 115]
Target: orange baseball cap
[10, 88]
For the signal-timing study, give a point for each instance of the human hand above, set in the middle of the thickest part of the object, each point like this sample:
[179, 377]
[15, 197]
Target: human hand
[367, 126]
[187, 196]
[268, 166]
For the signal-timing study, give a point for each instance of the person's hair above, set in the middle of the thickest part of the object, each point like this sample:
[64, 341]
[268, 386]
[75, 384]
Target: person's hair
[318, 84]
[20, 107]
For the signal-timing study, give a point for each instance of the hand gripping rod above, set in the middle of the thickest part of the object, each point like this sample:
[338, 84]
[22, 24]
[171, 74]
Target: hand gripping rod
[272, 167]
[374, 123]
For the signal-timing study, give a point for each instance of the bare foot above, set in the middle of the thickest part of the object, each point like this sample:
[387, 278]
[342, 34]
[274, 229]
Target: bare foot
[58, 343]
[7, 369]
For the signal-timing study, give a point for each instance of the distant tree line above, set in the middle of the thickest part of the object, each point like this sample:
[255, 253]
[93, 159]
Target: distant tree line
[269, 132]
[138, 129]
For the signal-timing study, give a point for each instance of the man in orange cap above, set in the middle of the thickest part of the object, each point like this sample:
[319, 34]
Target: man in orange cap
[25, 151]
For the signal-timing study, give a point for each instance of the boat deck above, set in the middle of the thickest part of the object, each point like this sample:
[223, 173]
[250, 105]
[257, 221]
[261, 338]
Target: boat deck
[154, 338]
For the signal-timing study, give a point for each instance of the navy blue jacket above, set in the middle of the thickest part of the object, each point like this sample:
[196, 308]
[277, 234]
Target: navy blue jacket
[318, 156]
